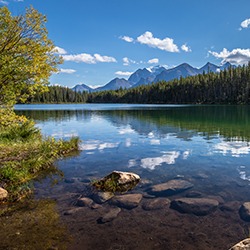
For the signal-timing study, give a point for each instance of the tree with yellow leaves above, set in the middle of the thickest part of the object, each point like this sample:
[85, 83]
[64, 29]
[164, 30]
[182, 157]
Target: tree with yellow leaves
[27, 56]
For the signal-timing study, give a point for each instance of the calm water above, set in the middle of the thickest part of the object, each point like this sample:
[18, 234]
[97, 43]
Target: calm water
[206, 145]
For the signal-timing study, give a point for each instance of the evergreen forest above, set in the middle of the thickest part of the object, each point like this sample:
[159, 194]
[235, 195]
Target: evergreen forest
[231, 86]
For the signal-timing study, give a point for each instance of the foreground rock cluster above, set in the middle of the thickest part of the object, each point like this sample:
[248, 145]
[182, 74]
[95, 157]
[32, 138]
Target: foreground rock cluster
[176, 194]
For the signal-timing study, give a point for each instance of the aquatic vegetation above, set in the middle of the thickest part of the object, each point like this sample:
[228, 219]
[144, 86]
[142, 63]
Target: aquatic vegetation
[24, 153]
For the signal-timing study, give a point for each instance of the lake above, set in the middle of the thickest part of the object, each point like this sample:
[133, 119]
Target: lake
[208, 146]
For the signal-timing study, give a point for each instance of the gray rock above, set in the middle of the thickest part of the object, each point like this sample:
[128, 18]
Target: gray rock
[3, 194]
[72, 211]
[216, 197]
[194, 194]
[101, 197]
[242, 245]
[111, 215]
[197, 206]
[117, 181]
[170, 187]
[96, 206]
[230, 206]
[84, 202]
[154, 204]
[245, 211]
[127, 201]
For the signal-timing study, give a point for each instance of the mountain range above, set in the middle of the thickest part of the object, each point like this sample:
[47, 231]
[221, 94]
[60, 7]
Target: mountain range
[155, 74]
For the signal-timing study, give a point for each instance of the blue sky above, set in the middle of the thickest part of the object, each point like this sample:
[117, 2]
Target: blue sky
[103, 39]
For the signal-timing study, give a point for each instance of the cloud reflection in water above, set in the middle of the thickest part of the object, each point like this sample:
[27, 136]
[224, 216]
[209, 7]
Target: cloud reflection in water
[168, 158]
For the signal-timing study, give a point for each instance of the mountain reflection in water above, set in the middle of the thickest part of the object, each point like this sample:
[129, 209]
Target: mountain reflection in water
[206, 145]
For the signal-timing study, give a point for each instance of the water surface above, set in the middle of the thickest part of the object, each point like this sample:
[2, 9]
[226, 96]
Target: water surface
[206, 145]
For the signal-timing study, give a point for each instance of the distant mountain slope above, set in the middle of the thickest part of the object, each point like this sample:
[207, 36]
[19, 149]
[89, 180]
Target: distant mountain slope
[82, 88]
[183, 70]
[155, 74]
[138, 74]
[114, 84]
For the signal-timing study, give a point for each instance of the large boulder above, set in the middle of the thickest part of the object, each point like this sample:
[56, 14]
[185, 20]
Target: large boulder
[127, 201]
[197, 206]
[170, 188]
[3, 194]
[242, 245]
[245, 211]
[117, 181]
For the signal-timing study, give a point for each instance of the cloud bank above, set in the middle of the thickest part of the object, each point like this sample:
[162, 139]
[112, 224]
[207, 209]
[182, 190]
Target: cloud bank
[67, 71]
[236, 56]
[154, 60]
[166, 44]
[89, 59]
[245, 23]
[127, 39]
[186, 48]
[123, 73]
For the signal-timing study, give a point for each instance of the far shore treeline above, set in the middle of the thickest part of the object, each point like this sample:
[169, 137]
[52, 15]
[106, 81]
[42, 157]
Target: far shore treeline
[230, 86]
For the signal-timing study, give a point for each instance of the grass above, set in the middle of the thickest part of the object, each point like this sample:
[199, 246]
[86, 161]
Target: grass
[25, 154]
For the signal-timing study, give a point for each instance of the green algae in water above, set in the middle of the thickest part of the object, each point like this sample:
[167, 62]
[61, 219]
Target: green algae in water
[33, 224]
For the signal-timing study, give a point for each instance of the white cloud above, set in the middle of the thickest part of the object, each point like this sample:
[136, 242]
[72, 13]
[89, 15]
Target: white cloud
[127, 39]
[245, 23]
[90, 59]
[123, 73]
[185, 48]
[127, 61]
[4, 2]
[131, 163]
[154, 60]
[128, 142]
[67, 71]
[60, 51]
[243, 173]
[126, 130]
[168, 158]
[93, 145]
[236, 56]
[166, 44]
[236, 149]
[155, 142]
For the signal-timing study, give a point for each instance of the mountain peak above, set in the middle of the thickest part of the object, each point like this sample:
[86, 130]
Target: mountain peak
[154, 74]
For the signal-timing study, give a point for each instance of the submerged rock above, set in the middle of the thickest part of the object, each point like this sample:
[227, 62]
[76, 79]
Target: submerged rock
[111, 215]
[84, 202]
[127, 201]
[242, 245]
[101, 197]
[3, 194]
[154, 204]
[117, 181]
[197, 206]
[245, 211]
[170, 187]
[72, 211]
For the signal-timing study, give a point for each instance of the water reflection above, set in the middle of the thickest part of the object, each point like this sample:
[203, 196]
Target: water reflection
[206, 145]
[183, 121]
